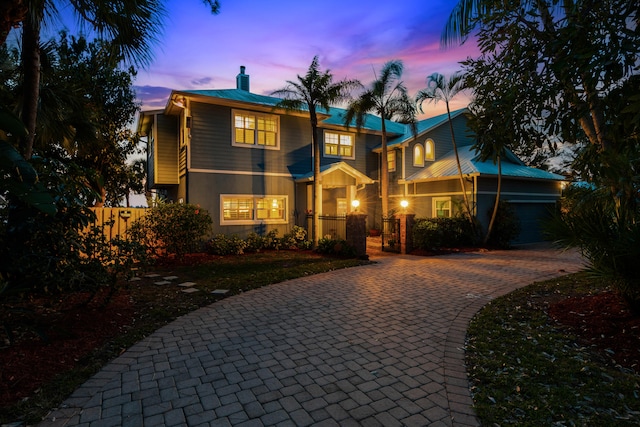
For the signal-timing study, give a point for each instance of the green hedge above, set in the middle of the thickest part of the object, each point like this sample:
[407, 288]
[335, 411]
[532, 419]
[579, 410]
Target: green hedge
[435, 233]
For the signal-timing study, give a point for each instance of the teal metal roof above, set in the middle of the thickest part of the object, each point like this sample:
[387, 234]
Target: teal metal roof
[371, 122]
[236, 95]
[471, 165]
[424, 126]
[336, 115]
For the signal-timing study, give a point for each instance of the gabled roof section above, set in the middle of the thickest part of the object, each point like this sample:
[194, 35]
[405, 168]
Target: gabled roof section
[424, 126]
[339, 166]
[446, 168]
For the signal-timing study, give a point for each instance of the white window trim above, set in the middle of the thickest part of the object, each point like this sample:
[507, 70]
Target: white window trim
[255, 144]
[441, 199]
[255, 220]
[338, 156]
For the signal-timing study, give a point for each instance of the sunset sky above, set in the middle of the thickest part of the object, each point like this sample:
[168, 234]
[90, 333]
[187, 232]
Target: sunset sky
[276, 40]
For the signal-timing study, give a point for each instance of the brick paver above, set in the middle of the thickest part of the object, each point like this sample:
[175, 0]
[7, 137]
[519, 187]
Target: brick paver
[376, 345]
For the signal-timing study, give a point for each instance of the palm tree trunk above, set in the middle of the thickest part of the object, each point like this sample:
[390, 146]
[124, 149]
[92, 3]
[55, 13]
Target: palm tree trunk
[316, 182]
[463, 187]
[384, 173]
[494, 214]
[31, 77]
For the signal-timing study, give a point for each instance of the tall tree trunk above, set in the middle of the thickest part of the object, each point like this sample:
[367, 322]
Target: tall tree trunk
[463, 187]
[592, 123]
[494, 214]
[317, 180]
[384, 173]
[31, 77]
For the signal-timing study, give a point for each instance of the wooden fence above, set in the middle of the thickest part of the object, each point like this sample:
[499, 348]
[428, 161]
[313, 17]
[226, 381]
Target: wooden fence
[116, 221]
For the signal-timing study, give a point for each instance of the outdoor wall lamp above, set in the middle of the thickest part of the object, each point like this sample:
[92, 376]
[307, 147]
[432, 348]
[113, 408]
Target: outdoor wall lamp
[355, 204]
[404, 204]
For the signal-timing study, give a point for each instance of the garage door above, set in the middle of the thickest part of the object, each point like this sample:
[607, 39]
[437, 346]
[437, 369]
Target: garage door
[531, 216]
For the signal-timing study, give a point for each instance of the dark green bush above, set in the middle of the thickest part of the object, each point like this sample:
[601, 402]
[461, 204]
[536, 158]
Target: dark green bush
[436, 233]
[60, 252]
[505, 228]
[221, 244]
[607, 232]
[336, 247]
[172, 229]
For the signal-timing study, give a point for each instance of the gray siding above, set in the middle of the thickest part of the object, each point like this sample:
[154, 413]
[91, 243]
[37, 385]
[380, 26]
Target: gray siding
[441, 137]
[166, 152]
[205, 190]
[211, 144]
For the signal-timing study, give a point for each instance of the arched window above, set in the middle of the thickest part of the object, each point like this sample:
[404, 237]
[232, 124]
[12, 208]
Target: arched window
[430, 150]
[418, 155]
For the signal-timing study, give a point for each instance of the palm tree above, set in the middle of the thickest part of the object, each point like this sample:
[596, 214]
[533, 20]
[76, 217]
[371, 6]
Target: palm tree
[440, 89]
[313, 91]
[388, 98]
[130, 27]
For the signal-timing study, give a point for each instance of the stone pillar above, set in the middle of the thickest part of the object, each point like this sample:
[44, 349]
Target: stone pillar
[406, 232]
[357, 233]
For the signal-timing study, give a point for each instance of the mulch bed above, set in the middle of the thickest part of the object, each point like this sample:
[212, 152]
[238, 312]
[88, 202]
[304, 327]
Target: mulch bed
[53, 338]
[605, 323]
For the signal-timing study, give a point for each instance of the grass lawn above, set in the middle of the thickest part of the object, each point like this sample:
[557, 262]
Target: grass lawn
[526, 369]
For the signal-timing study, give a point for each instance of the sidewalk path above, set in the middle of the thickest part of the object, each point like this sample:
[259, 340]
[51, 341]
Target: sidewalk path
[379, 345]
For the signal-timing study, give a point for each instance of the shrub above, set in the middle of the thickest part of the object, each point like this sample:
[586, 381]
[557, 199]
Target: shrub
[435, 233]
[607, 233]
[172, 229]
[296, 239]
[336, 247]
[221, 244]
[506, 226]
[254, 243]
[60, 252]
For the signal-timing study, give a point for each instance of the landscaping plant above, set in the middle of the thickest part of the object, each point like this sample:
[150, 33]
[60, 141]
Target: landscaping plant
[172, 229]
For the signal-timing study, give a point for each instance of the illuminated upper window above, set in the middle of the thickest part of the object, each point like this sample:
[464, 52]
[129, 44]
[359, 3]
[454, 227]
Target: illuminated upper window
[255, 130]
[429, 150]
[418, 155]
[338, 144]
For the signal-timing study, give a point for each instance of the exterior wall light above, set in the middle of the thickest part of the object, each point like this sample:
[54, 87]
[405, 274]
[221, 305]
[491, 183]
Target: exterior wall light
[404, 204]
[355, 204]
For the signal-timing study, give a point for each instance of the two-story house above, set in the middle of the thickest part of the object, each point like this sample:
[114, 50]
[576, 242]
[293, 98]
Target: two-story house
[250, 164]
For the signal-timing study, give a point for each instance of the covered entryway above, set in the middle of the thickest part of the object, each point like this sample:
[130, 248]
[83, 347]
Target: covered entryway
[340, 185]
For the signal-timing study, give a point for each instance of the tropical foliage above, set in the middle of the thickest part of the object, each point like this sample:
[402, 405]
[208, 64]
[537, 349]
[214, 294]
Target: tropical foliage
[128, 28]
[387, 97]
[566, 72]
[441, 89]
[315, 92]
[172, 229]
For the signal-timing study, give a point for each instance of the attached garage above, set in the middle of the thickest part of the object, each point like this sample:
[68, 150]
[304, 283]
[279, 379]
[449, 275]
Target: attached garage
[531, 217]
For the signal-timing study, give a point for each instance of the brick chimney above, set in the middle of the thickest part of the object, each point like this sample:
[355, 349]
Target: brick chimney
[242, 80]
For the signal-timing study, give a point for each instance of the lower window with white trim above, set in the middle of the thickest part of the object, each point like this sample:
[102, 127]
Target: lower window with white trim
[241, 209]
[441, 207]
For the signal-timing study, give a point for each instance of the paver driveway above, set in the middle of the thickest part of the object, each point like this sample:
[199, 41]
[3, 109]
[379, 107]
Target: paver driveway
[373, 345]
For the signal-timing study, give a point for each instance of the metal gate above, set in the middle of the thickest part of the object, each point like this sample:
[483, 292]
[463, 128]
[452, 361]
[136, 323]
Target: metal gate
[391, 234]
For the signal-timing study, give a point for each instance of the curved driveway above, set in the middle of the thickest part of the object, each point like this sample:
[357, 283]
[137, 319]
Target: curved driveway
[379, 345]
